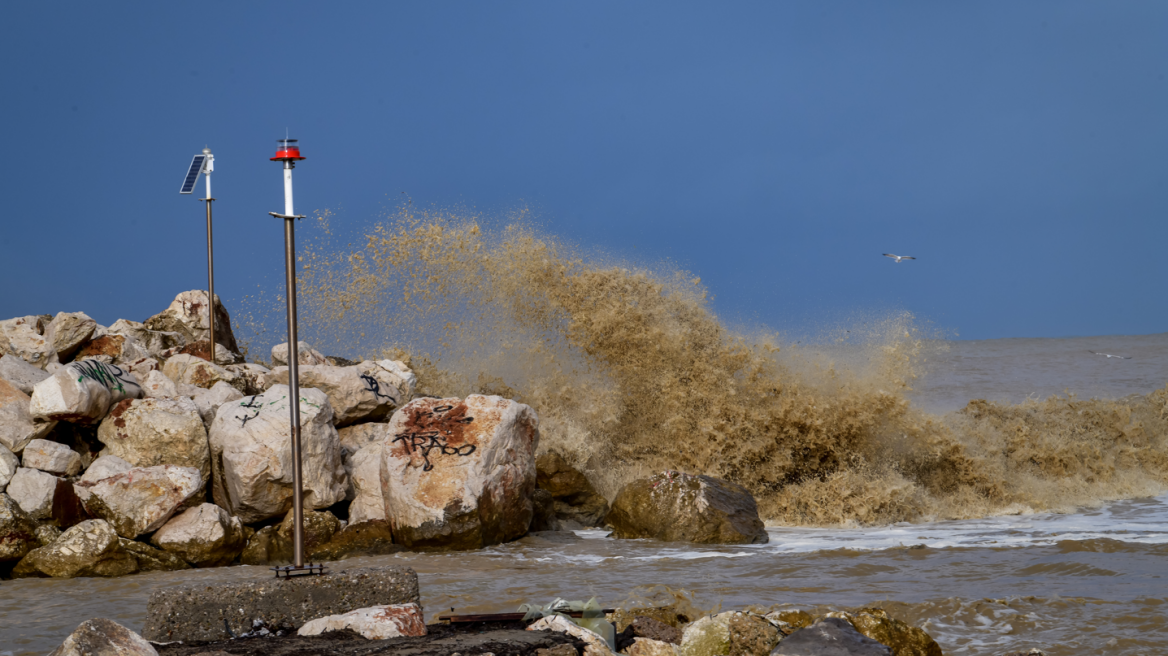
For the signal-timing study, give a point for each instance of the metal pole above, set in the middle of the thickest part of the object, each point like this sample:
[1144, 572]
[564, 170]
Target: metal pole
[210, 270]
[293, 369]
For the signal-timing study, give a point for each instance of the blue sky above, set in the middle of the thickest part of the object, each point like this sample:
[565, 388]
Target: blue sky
[775, 149]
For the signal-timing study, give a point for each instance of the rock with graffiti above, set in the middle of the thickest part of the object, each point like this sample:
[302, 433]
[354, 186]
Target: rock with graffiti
[251, 454]
[367, 391]
[459, 473]
[83, 392]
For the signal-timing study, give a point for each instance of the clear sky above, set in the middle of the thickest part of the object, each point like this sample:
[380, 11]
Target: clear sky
[776, 149]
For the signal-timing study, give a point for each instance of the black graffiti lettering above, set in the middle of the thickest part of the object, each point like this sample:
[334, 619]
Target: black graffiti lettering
[372, 385]
[251, 403]
[107, 375]
[426, 442]
[443, 408]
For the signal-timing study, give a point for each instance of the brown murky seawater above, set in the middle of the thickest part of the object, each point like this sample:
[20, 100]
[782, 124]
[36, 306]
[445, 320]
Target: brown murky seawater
[1030, 469]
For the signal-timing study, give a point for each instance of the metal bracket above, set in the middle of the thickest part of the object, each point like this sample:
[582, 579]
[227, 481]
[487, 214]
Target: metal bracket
[289, 571]
[208, 199]
[285, 216]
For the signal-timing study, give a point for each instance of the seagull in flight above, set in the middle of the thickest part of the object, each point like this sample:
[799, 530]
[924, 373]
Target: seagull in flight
[899, 258]
[1121, 357]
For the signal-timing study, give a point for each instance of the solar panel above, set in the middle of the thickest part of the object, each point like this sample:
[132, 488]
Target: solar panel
[193, 174]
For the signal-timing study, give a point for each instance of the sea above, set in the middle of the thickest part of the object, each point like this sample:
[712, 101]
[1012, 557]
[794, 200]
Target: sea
[1084, 580]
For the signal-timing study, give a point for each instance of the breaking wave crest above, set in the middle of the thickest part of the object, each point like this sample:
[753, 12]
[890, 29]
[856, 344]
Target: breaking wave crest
[632, 372]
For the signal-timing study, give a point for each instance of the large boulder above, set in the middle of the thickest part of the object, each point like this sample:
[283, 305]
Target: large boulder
[208, 401]
[459, 474]
[374, 623]
[368, 391]
[189, 316]
[22, 375]
[18, 531]
[9, 463]
[154, 341]
[364, 469]
[51, 457]
[113, 348]
[142, 499]
[727, 633]
[192, 370]
[67, 332]
[251, 454]
[24, 338]
[902, 638]
[17, 425]
[204, 536]
[150, 559]
[831, 636]
[34, 490]
[157, 431]
[273, 544]
[156, 385]
[102, 637]
[677, 507]
[90, 548]
[307, 355]
[576, 500]
[82, 392]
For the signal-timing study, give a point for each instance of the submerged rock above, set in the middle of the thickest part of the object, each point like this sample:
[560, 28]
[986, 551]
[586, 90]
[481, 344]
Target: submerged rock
[459, 474]
[102, 637]
[831, 636]
[374, 623]
[727, 633]
[677, 507]
[903, 639]
[251, 455]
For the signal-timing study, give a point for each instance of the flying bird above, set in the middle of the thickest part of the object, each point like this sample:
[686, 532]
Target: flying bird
[899, 258]
[1121, 357]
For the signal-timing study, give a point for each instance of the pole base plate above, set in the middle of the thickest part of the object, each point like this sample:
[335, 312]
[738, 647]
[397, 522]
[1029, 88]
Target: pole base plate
[310, 569]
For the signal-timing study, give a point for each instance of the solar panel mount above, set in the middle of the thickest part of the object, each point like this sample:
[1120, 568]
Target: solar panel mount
[188, 184]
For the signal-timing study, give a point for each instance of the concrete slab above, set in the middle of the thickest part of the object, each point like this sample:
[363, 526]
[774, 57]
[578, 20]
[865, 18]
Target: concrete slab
[199, 611]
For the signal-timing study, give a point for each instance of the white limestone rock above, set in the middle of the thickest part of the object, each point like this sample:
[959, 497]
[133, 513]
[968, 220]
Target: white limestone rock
[82, 392]
[368, 391]
[68, 331]
[374, 623]
[9, 463]
[24, 338]
[51, 457]
[189, 315]
[251, 454]
[113, 348]
[460, 474]
[191, 370]
[251, 377]
[157, 431]
[154, 341]
[307, 355]
[102, 637]
[209, 401]
[142, 499]
[33, 490]
[17, 425]
[364, 469]
[595, 645]
[204, 536]
[22, 375]
[102, 468]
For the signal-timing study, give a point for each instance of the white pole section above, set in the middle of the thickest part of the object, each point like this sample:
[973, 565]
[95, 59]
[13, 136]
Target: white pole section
[288, 189]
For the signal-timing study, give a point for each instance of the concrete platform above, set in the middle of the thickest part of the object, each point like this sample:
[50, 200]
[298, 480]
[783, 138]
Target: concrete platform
[198, 611]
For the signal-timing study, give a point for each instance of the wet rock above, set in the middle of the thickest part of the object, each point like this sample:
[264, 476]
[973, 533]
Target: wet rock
[23, 337]
[595, 645]
[47, 534]
[67, 332]
[157, 431]
[369, 391]
[459, 474]
[575, 497]
[9, 463]
[17, 425]
[789, 621]
[647, 627]
[22, 375]
[18, 531]
[209, 401]
[197, 611]
[33, 490]
[307, 355]
[372, 538]
[82, 392]
[902, 638]
[90, 548]
[51, 457]
[142, 499]
[150, 559]
[651, 647]
[831, 636]
[102, 637]
[189, 370]
[251, 455]
[374, 623]
[154, 341]
[677, 507]
[364, 469]
[188, 315]
[205, 536]
[543, 512]
[732, 632]
[266, 547]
